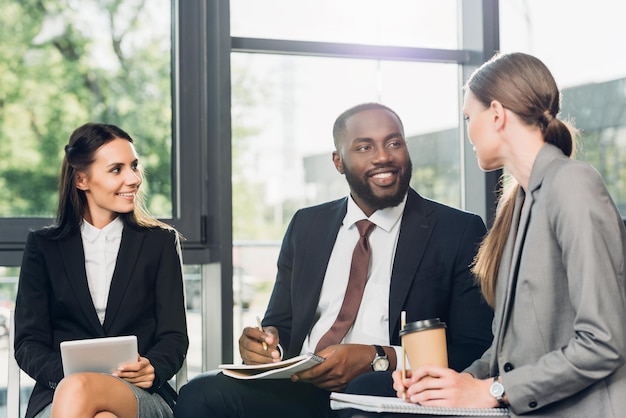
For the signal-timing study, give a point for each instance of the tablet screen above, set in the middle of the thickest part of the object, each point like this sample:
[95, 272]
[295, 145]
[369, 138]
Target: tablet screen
[101, 355]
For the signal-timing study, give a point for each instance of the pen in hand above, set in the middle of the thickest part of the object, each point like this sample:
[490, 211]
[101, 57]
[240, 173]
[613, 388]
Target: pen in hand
[258, 321]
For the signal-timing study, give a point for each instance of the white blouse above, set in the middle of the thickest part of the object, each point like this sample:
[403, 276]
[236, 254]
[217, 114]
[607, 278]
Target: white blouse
[101, 247]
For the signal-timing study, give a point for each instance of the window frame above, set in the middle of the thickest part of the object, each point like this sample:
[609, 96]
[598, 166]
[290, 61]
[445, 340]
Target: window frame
[479, 40]
[202, 191]
[479, 32]
[195, 218]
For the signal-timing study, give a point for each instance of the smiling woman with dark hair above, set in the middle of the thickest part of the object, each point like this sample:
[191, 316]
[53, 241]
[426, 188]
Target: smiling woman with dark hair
[106, 268]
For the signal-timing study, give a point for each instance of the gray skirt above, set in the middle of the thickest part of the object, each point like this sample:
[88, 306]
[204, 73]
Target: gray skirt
[150, 405]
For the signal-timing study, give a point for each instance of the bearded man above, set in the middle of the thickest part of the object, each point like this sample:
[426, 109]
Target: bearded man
[419, 256]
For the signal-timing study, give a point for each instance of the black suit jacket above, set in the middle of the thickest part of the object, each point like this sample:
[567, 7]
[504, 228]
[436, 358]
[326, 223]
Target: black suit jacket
[54, 304]
[430, 277]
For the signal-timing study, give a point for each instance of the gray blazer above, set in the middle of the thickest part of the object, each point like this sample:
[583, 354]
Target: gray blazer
[559, 325]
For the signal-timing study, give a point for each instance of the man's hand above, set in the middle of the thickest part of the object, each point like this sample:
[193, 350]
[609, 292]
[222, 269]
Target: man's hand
[343, 363]
[251, 345]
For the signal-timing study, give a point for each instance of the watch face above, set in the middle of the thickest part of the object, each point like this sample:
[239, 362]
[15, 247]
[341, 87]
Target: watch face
[380, 364]
[497, 389]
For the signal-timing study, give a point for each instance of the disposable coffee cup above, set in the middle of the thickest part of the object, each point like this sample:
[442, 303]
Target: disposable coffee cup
[425, 343]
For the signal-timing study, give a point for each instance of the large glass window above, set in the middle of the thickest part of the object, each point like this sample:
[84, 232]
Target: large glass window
[65, 63]
[583, 53]
[417, 23]
[283, 110]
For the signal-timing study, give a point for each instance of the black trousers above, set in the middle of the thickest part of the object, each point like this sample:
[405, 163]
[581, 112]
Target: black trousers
[216, 395]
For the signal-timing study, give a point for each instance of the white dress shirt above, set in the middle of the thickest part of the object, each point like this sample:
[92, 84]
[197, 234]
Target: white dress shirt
[371, 325]
[101, 247]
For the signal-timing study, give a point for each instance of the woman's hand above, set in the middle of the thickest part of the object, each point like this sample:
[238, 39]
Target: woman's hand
[438, 386]
[140, 373]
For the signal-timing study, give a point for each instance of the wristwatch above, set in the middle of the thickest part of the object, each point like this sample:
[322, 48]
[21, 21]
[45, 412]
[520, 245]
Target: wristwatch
[380, 362]
[497, 391]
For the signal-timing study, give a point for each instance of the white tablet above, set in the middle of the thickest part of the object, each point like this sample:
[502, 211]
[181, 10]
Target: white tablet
[101, 355]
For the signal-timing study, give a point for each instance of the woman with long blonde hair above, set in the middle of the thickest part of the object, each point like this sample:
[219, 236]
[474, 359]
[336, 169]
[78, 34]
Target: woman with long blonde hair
[552, 265]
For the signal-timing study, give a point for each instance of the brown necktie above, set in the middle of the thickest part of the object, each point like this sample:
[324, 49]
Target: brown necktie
[354, 290]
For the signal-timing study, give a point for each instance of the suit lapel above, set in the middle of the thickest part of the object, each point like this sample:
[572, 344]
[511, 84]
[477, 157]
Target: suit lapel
[73, 256]
[320, 242]
[415, 232]
[130, 247]
[510, 266]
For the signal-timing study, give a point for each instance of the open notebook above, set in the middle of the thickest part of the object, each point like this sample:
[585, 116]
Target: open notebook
[400, 406]
[101, 355]
[280, 370]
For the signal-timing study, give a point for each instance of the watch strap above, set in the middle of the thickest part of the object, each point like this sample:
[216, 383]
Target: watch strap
[380, 352]
[380, 361]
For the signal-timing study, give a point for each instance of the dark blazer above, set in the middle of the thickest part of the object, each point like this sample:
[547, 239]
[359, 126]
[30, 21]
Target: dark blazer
[54, 304]
[430, 277]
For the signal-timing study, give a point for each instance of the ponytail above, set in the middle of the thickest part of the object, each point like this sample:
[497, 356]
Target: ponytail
[487, 261]
[525, 86]
[559, 133]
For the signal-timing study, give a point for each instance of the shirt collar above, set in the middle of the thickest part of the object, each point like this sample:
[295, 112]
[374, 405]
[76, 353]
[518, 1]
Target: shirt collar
[112, 231]
[383, 218]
